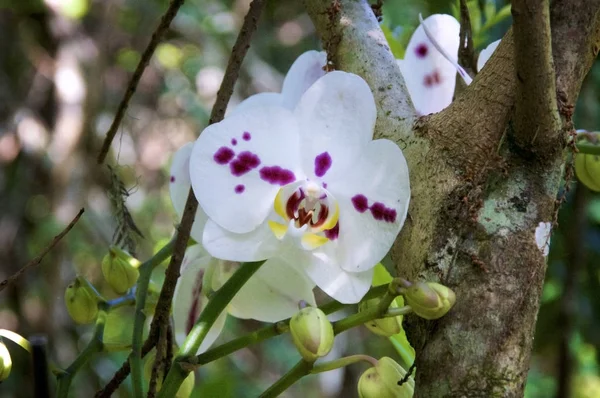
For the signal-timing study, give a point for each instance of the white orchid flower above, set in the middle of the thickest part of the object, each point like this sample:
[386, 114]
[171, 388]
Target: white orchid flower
[264, 297]
[430, 75]
[431, 62]
[307, 186]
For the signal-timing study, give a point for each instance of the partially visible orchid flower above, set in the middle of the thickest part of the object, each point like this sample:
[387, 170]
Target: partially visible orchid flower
[265, 297]
[431, 62]
[430, 77]
[190, 299]
[306, 187]
[486, 53]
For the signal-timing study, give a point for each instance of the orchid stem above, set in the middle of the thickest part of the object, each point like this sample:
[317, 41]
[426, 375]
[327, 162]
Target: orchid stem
[589, 149]
[207, 318]
[392, 312]
[95, 345]
[272, 330]
[140, 317]
[342, 362]
[301, 369]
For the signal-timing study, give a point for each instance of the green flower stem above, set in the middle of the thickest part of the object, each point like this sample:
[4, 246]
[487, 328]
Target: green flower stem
[342, 362]
[392, 312]
[586, 148]
[95, 345]
[272, 330]
[217, 303]
[370, 314]
[301, 369]
[140, 316]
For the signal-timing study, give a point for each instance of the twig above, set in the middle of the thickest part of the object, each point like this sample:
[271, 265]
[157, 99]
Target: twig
[536, 104]
[466, 51]
[165, 21]
[37, 260]
[240, 48]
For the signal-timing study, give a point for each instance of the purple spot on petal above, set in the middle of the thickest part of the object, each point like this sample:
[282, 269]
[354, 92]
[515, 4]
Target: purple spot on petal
[246, 136]
[360, 202]
[243, 163]
[239, 189]
[382, 213]
[172, 178]
[433, 79]
[233, 142]
[223, 155]
[325, 185]
[322, 164]
[277, 175]
[422, 50]
[324, 196]
[333, 233]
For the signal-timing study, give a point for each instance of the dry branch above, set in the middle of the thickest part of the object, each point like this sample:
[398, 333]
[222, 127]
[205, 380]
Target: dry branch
[162, 27]
[35, 261]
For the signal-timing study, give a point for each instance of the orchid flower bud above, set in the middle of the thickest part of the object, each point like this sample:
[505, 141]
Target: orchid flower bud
[382, 380]
[120, 269]
[81, 302]
[428, 300]
[5, 362]
[587, 168]
[312, 333]
[186, 388]
[383, 326]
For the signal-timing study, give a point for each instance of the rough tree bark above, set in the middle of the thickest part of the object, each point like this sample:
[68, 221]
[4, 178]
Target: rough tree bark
[479, 188]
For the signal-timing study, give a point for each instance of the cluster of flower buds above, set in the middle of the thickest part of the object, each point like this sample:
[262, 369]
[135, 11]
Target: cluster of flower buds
[312, 333]
[186, 388]
[120, 269]
[5, 362]
[81, 301]
[383, 381]
[428, 300]
[587, 168]
[384, 326]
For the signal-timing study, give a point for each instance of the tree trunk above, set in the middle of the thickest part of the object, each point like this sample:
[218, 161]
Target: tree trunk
[480, 187]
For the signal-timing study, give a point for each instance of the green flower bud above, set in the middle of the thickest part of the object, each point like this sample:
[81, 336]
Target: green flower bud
[81, 302]
[120, 269]
[587, 168]
[118, 329]
[382, 380]
[383, 326]
[186, 388]
[428, 300]
[312, 333]
[5, 362]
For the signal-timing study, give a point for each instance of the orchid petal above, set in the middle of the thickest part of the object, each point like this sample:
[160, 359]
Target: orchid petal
[486, 53]
[239, 164]
[373, 206]
[430, 78]
[304, 72]
[345, 287]
[180, 187]
[337, 116]
[257, 100]
[189, 301]
[255, 245]
[273, 293]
